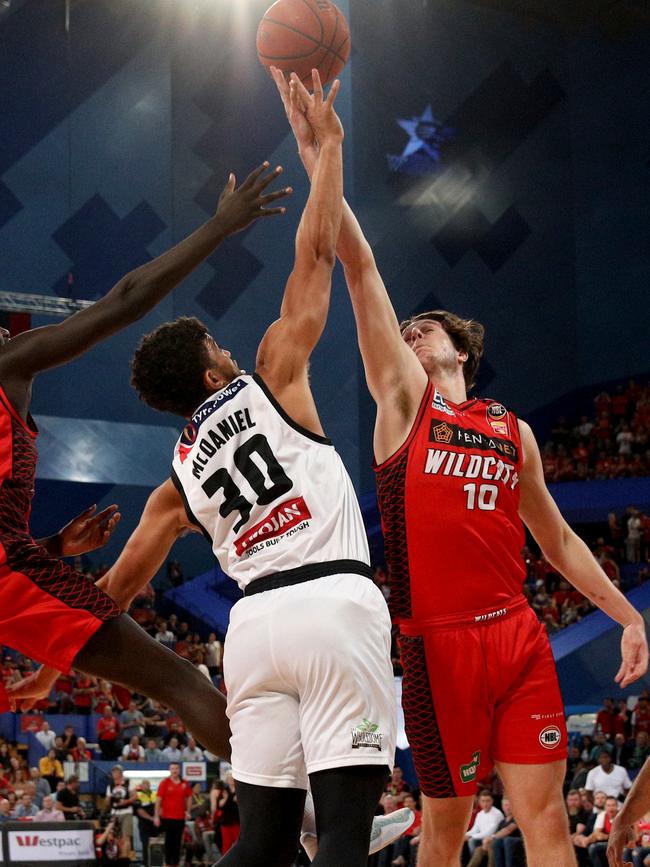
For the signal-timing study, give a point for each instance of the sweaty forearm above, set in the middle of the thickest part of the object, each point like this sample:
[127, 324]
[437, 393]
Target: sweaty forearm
[141, 289]
[637, 802]
[321, 219]
[575, 561]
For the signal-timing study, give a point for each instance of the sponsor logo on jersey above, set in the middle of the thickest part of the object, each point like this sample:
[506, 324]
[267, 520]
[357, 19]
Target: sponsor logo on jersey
[500, 427]
[440, 405]
[491, 615]
[539, 716]
[469, 771]
[441, 433]
[366, 734]
[188, 437]
[550, 737]
[282, 520]
[497, 416]
[441, 462]
[472, 439]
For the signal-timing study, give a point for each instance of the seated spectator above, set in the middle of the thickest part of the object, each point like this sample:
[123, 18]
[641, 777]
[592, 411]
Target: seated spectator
[606, 718]
[578, 819]
[404, 850]
[165, 636]
[397, 786]
[485, 822]
[133, 752]
[596, 842]
[103, 697]
[505, 845]
[640, 751]
[608, 777]
[171, 753]
[192, 753]
[131, 722]
[600, 743]
[26, 809]
[82, 693]
[49, 811]
[69, 739]
[46, 736]
[67, 800]
[5, 810]
[41, 786]
[152, 753]
[622, 752]
[641, 716]
[175, 729]
[51, 769]
[80, 752]
[108, 729]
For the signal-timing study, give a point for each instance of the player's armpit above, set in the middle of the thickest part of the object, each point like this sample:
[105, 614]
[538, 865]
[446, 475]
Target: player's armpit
[162, 522]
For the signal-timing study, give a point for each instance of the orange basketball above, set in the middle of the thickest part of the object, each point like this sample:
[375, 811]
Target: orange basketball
[301, 35]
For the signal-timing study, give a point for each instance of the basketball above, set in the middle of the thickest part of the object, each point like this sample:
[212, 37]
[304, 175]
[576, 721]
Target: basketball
[301, 35]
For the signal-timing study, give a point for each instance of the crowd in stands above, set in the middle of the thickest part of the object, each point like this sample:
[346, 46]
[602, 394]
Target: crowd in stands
[612, 442]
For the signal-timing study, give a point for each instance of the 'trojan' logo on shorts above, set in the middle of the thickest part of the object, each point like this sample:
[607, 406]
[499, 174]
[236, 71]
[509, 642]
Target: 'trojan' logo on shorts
[550, 737]
[469, 771]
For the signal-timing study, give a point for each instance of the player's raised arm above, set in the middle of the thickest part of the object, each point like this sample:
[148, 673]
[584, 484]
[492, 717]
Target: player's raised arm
[139, 291]
[163, 521]
[572, 558]
[393, 373]
[285, 349]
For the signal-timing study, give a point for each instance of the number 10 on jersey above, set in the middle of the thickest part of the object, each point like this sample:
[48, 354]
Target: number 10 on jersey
[484, 498]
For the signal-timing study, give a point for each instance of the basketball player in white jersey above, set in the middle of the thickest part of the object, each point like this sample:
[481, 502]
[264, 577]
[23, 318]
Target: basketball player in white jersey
[307, 656]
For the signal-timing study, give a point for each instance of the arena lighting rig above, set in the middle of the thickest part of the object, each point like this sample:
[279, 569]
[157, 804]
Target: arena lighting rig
[48, 305]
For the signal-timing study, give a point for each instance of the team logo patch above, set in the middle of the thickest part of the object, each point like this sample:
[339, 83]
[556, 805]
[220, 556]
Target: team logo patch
[440, 405]
[366, 734]
[469, 771]
[497, 416]
[550, 737]
[442, 433]
[287, 518]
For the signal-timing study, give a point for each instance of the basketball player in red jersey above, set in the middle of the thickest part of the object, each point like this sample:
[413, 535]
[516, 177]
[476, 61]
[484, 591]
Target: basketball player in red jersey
[457, 479]
[48, 611]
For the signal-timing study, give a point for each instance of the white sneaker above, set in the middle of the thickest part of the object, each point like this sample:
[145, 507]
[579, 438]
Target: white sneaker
[386, 829]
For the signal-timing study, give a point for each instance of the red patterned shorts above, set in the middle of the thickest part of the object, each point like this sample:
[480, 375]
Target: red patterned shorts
[47, 610]
[478, 688]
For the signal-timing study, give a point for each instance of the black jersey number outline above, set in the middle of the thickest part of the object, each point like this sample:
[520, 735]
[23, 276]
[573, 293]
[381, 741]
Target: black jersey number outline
[234, 500]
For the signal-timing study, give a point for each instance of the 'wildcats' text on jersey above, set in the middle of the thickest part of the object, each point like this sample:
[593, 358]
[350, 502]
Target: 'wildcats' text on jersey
[449, 503]
[269, 495]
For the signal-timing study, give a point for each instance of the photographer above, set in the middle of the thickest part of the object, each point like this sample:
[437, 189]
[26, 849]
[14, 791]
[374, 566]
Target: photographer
[121, 801]
[108, 847]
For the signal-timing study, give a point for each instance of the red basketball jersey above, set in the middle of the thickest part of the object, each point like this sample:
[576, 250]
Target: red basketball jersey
[449, 502]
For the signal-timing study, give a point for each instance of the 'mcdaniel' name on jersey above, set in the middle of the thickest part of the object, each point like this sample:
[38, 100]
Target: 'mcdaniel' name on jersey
[237, 422]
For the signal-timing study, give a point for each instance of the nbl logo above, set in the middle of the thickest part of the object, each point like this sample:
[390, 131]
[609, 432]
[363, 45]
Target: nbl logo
[550, 737]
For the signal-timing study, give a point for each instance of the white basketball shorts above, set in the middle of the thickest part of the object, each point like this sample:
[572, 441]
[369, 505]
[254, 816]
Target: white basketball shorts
[309, 681]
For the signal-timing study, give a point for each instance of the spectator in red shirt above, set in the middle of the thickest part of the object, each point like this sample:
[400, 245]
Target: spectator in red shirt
[173, 802]
[405, 849]
[641, 716]
[81, 753]
[108, 729]
[82, 694]
[396, 786]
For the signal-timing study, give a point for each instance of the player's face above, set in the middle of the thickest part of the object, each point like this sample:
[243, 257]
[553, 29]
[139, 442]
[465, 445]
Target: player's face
[433, 346]
[221, 361]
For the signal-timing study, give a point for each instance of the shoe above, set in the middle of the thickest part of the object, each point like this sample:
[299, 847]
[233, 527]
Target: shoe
[386, 829]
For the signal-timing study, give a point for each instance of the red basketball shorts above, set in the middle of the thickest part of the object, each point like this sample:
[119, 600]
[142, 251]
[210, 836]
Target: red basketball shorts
[478, 688]
[47, 610]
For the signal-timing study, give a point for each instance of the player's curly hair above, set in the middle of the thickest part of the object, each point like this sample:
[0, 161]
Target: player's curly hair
[467, 335]
[168, 366]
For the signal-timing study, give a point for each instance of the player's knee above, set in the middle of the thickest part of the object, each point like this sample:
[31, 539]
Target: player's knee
[548, 818]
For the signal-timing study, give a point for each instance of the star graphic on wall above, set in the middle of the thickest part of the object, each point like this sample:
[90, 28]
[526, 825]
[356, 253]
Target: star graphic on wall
[426, 137]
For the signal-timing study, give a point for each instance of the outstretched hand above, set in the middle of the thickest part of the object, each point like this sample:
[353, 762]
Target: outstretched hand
[304, 134]
[634, 652]
[26, 693]
[240, 206]
[318, 112]
[88, 531]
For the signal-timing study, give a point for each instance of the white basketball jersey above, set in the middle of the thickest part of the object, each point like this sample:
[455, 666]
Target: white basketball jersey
[270, 495]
